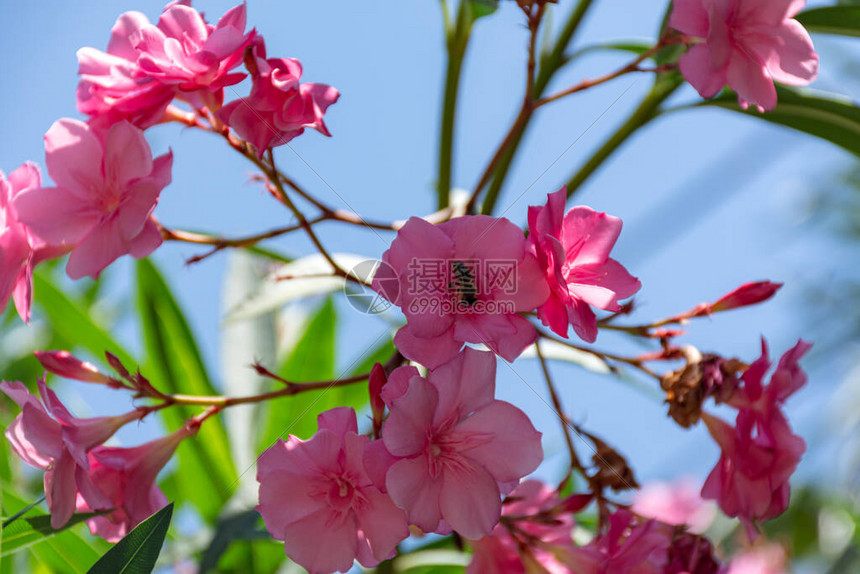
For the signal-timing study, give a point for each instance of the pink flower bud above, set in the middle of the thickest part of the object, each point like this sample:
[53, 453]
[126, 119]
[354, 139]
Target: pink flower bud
[375, 384]
[64, 364]
[745, 295]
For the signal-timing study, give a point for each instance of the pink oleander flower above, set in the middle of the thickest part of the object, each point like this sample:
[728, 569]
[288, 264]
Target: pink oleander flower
[676, 503]
[20, 251]
[747, 44]
[450, 450]
[126, 477]
[316, 496]
[462, 281]
[59, 445]
[499, 553]
[279, 108]
[760, 453]
[107, 187]
[627, 547]
[573, 251]
[766, 559]
[112, 88]
[184, 51]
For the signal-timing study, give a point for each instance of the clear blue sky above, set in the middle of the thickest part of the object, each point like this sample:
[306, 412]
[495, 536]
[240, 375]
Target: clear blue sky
[709, 199]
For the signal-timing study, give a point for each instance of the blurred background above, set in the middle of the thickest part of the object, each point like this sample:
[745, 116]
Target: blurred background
[710, 199]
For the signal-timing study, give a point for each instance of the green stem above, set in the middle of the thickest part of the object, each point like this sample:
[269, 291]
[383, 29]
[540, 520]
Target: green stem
[457, 42]
[644, 113]
[549, 65]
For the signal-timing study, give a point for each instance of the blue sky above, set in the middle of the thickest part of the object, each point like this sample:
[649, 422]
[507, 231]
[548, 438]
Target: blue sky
[710, 199]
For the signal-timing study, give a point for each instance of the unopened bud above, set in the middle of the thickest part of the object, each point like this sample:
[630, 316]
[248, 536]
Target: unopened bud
[64, 364]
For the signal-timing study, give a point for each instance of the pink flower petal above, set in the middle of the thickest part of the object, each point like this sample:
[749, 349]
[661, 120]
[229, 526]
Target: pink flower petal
[405, 431]
[60, 490]
[182, 22]
[515, 449]
[285, 498]
[147, 241]
[383, 524]
[127, 155]
[73, 156]
[697, 68]
[583, 320]
[484, 237]
[464, 384]
[789, 55]
[690, 17]
[321, 545]
[470, 500]
[56, 214]
[748, 76]
[589, 236]
[429, 351]
[377, 461]
[126, 25]
[98, 249]
[413, 489]
[339, 420]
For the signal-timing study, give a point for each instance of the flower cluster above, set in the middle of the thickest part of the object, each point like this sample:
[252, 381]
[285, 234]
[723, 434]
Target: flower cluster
[80, 472]
[448, 451]
[107, 183]
[560, 271]
[443, 455]
[760, 452]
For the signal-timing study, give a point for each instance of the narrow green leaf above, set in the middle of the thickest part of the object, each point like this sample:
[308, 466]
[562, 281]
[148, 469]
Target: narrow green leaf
[823, 115]
[138, 551]
[72, 322]
[841, 20]
[28, 530]
[241, 526]
[206, 472]
[312, 359]
[62, 550]
[631, 46]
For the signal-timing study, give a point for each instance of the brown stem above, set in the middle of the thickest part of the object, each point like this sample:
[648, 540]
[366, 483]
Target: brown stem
[526, 109]
[575, 463]
[606, 357]
[291, 388]
[633, 66]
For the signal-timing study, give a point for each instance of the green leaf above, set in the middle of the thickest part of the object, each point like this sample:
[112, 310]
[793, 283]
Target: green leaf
[630, 46]
[62, 550]
[138, 551]
[241, 526]
[841, 20]
[826, 116]
[206, 474]
[72, 322]
[481, 8]
[26, 531]
[430, 561]
[312, 359]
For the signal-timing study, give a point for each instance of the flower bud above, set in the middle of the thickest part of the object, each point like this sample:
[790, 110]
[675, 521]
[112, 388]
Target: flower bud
[64, 364]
